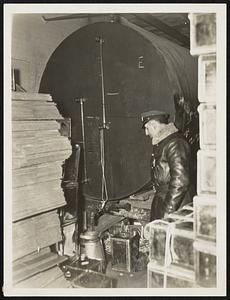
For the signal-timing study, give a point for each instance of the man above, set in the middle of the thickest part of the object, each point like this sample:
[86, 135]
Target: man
[169, 164]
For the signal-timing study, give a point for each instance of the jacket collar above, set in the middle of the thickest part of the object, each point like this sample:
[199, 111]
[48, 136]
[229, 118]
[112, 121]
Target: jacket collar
[167, 130]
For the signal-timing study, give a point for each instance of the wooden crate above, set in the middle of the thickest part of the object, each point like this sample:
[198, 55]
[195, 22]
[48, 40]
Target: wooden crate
[207, 78]
[207, 119]
[205, 217]
[205, 255]
[206, 172]
[202, 33]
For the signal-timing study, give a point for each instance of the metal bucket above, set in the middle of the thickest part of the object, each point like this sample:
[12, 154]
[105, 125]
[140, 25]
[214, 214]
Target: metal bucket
[91, 245]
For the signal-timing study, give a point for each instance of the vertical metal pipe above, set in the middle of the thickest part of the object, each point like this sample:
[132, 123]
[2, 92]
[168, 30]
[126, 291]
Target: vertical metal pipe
[77, 243]
[82, 100]
[101, 41]
[83, 137]
[104, 125]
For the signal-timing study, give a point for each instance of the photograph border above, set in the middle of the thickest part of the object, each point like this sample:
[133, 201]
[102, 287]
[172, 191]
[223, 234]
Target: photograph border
[220, 10]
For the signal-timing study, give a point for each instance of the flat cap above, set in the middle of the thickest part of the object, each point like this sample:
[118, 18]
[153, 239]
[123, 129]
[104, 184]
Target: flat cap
[157, 115]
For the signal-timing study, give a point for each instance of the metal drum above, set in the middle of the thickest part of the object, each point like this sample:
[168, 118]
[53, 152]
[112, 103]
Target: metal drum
[141, 72]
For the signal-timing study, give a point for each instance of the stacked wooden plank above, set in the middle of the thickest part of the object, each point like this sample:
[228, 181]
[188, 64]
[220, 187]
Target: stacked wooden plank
[38, 270]
[38, 153]
[203, 44]
[50, 278]
[35, 233]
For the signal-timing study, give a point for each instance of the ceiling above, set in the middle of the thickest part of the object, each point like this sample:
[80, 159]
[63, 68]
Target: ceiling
[172, 26]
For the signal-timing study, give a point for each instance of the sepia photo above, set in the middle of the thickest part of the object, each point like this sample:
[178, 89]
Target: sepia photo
[114, 149]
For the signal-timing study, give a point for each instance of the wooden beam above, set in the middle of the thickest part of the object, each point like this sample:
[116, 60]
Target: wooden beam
[170, 31]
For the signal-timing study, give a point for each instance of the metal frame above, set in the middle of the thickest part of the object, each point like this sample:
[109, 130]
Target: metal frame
[128, 257]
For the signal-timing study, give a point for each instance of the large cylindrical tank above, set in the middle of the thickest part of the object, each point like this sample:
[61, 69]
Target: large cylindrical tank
[141, 72]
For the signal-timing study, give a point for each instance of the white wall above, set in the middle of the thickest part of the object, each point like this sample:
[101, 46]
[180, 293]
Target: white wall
[33, 42]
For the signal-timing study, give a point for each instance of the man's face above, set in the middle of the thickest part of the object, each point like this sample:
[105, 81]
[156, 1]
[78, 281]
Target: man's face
[152, 128]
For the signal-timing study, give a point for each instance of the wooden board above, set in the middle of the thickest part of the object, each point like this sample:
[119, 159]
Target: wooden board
[37, 174]
[57, 282]
[30, 110]
[31, 96]
[47, 204]
[40, 158]
[35, 233]
[36, 198]
[47, 133]
[35, 125]
[51, 278]
[33, 190]
[25, 269]
[29, 146]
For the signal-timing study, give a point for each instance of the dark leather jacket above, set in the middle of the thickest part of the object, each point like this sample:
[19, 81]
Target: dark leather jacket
[170, 172]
